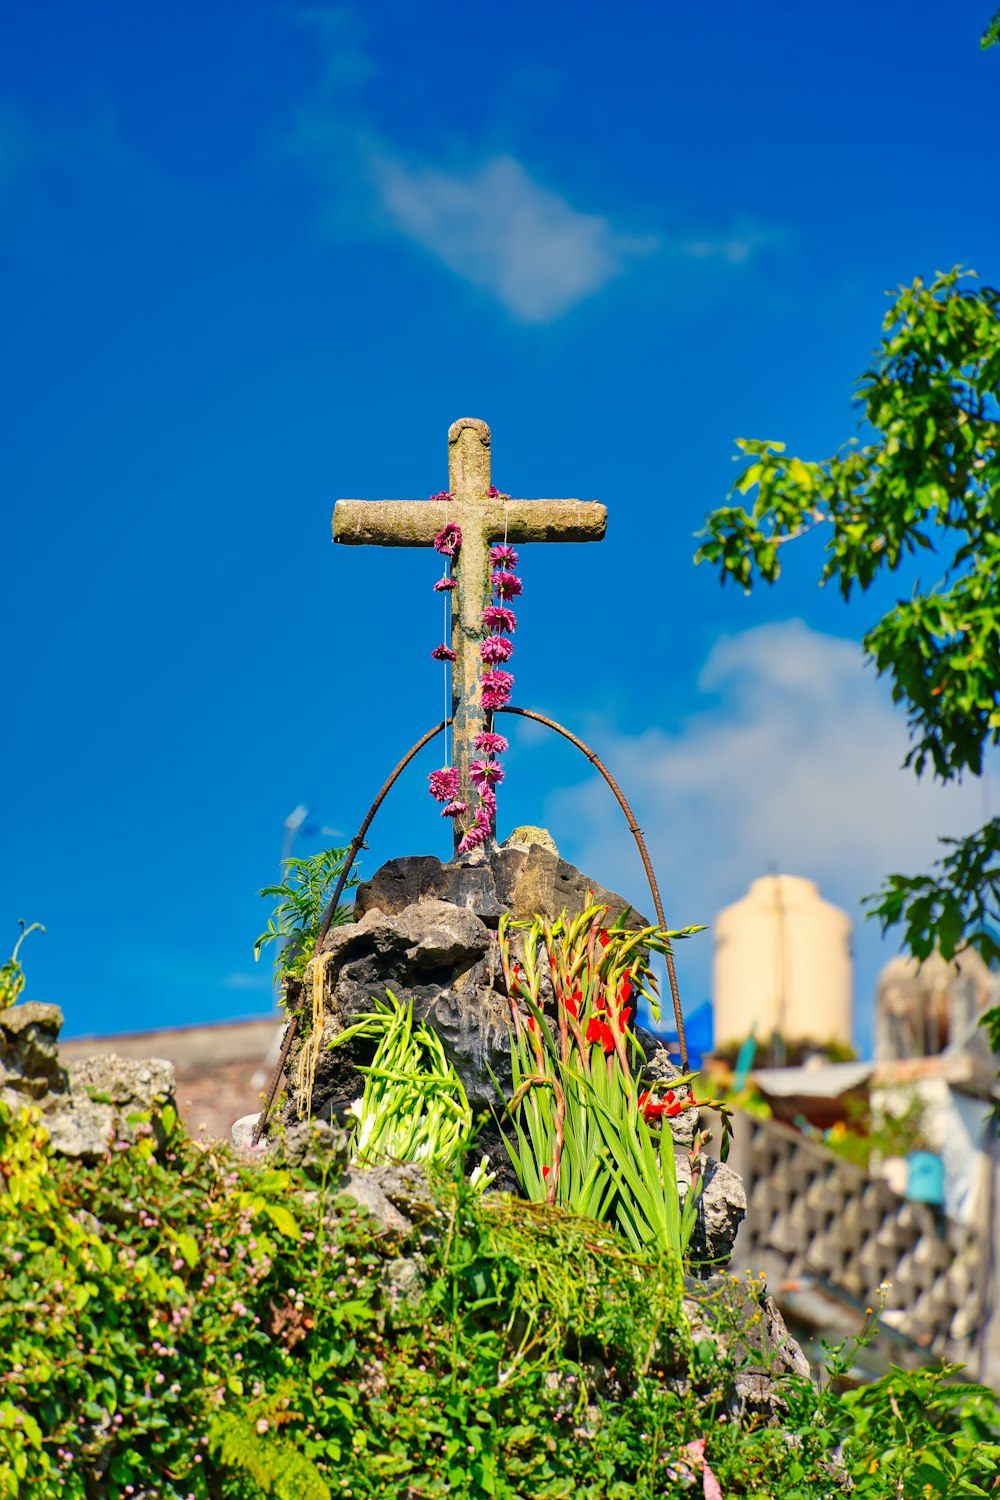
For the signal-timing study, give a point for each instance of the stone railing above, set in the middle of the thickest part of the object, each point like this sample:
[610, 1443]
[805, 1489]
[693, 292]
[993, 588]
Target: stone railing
[812, 1214]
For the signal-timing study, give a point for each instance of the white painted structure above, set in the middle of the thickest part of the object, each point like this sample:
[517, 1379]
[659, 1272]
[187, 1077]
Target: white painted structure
[782, 964]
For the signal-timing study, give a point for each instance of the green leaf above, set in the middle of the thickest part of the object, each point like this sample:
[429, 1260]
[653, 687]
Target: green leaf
[188, 1248]
[283, 1221]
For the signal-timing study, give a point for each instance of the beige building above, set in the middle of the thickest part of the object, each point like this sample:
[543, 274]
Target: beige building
[782, 965]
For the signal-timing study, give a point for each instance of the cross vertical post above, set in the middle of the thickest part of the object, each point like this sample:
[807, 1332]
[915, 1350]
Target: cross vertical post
[484, 519]
[469, 485]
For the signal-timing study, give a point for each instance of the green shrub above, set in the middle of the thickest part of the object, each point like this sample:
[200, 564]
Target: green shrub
[177, 1322]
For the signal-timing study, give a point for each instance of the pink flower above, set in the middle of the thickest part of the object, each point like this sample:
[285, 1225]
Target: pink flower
[498, 681]
[443, 653]
[442, 495]
[506, 585]
[485, 773]
[493, 744]
[499, 617]
[474, 837]
[484, 818]
[443, 784]
[505, 555]
[454, 809]
[449, 539]
[445, 585]
[496, 648]
[488, 798]
[494, 698]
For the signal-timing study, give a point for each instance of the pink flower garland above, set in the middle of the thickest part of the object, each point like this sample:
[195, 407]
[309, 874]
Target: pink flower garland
[498, 618]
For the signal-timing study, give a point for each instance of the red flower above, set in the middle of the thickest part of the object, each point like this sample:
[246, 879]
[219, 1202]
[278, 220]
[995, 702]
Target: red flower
[546, 1171]
[572, 1003]
[669, 1105]
[625, 992]
[603, 937]
[600, 1031]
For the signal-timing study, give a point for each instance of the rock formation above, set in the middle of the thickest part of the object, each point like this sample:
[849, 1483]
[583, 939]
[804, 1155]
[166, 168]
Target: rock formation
[427, 931]
[86, 1106]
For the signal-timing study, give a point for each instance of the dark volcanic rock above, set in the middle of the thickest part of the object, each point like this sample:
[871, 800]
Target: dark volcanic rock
[427, 932]
[527, 882]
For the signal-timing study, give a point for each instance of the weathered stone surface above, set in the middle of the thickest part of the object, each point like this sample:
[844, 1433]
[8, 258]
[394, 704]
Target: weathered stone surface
[401, 883]
[527, 834]
[396, 1197]
[742, 1321]
[29, 1051]
[242, 1131]
[722, 1207]
[525, 877]
[81, 1125]
[536, 882]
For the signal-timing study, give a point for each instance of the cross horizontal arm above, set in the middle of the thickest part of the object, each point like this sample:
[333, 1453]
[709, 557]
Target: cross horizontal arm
[415, 523]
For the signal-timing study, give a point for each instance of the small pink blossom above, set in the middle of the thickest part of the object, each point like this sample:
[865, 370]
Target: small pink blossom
[485, 773]
[443, 784]
[496, 648]
[474, 837]
[443, 653]
[454, 809]
[443, 495]
[505, 585]
[493, 744]
[505, 555]
[496, 689]
[449, 539]
[488, 798]
[445, 585]
[499, 617]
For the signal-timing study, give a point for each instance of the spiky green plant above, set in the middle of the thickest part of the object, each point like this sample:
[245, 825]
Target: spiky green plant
[586, 1135]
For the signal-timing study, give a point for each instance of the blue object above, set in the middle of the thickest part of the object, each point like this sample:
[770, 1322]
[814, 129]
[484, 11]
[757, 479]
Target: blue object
[699, 1031]
[744, 1060]
[925, 1177]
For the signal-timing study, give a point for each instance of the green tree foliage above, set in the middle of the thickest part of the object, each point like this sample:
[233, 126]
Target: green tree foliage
[925, 484]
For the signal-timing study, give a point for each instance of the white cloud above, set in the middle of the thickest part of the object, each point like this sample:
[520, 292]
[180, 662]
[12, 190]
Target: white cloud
[797, 762]
[500, 230]
[734, 247]
[487, 219]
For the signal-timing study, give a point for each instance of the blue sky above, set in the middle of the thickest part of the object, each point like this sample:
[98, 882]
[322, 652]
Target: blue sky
[259, 256]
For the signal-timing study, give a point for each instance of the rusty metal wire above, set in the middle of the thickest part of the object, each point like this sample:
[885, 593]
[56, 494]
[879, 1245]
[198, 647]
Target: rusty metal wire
[292, 1027]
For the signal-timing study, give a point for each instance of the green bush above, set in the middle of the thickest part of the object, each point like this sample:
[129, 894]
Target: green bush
[176, 1322]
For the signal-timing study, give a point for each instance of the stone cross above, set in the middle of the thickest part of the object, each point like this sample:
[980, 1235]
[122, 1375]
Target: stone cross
[484, 520]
